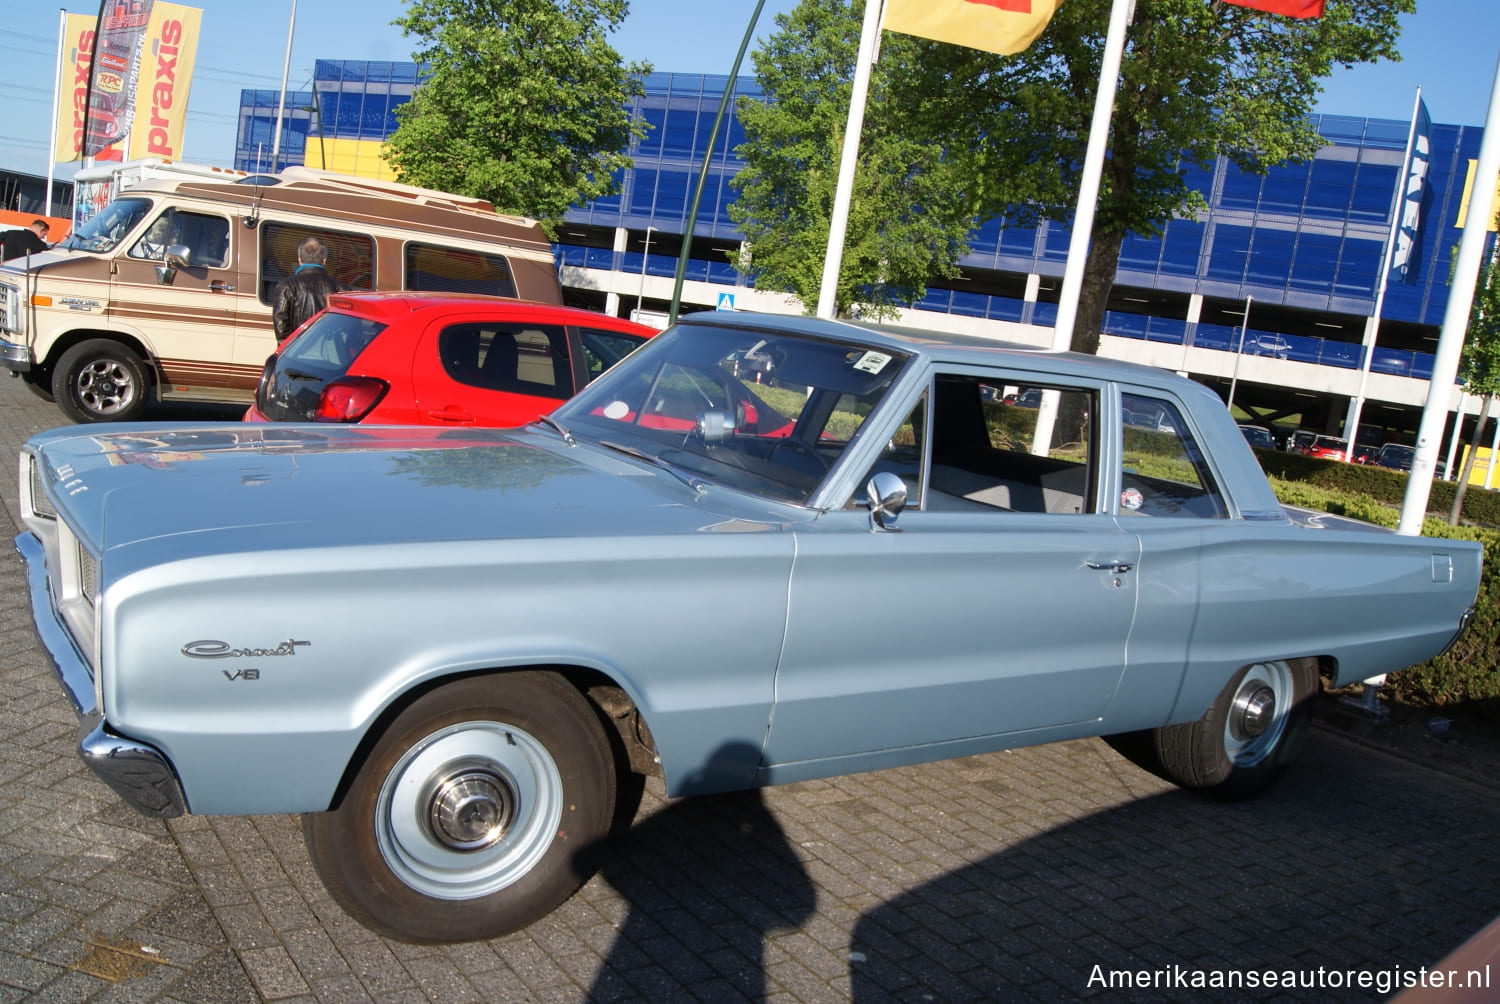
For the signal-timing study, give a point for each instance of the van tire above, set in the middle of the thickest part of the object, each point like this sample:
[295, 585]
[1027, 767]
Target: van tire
[100, 380]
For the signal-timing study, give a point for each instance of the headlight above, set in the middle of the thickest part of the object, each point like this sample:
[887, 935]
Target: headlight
[40, 505]
[10, 308]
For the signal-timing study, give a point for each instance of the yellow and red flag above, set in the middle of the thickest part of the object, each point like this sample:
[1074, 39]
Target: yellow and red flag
[1003, 26]
[1291, 8]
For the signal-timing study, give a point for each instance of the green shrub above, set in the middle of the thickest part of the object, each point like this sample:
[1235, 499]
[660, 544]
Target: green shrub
[1481, 506]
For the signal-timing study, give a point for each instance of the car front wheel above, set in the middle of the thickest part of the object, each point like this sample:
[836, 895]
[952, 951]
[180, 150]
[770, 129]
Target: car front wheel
[1250, 734]
[476, 813]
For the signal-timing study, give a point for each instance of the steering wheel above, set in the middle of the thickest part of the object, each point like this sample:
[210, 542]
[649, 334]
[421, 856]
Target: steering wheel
[798, 446]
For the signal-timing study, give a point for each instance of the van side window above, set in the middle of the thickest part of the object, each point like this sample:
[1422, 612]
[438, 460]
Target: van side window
[351, 257]
[517, 358]
[206, 238]
[450, 270]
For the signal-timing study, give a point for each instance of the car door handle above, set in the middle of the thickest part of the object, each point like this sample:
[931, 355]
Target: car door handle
[451, 414]
[220, 286]
[1110, 566]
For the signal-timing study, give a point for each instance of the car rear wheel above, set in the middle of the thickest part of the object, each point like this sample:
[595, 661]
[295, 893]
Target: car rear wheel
[476, 813]
[1250, 734]
[99, 381]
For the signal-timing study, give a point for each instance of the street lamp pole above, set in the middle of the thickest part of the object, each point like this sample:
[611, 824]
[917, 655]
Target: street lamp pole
[645, 253]
[1239, 351]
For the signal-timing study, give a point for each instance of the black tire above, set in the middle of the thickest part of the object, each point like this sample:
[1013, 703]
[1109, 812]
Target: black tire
[100, 381]
[522, 765]
[1248, 737]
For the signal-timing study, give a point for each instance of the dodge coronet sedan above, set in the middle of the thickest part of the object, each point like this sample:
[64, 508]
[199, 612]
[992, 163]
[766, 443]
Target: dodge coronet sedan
[758, 550]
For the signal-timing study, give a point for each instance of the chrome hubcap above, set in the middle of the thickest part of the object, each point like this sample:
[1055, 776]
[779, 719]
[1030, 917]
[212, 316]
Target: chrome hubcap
[1254, 710]
[105, 386]
[468, 810]
[471, 811]
[1257, 715]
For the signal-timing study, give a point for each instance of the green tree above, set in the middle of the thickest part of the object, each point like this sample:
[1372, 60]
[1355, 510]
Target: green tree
[1200, 78]
[1479, 368]
[523, 103]
[909, 215]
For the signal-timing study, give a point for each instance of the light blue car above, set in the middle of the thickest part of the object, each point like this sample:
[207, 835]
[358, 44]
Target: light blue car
[758, 550]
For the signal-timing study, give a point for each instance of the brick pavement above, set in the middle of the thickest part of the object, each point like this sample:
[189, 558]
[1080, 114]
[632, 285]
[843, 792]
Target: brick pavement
[1006, 877]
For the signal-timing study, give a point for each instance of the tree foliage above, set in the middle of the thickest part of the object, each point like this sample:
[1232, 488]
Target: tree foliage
[522, 102]
[909, 215]
[1200, 78]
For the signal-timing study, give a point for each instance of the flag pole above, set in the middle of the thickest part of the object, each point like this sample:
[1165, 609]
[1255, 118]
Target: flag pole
[838, 224]
[286, 65]
[1455, 322]
[1357, 404]
[62, 41]
[1121, 14]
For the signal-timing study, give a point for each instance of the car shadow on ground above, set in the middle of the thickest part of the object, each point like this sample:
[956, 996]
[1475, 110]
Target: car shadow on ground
[1354, 862]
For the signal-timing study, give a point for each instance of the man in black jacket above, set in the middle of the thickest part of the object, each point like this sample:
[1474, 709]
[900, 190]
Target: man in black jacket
[31, 239]
[304, 292]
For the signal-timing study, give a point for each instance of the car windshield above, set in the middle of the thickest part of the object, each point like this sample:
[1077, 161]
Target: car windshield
[106, 230]
[767, 413]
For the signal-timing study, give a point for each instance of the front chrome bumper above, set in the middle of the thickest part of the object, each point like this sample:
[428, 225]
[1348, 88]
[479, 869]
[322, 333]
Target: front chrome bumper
[14, 357]
[138, 772]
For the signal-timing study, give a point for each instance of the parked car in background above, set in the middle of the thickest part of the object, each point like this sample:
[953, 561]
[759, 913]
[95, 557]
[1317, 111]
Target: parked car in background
[1299, 441]
[458, 651]
[1326, 448]
[1397, 456]
[438, 359]
[1258, 436]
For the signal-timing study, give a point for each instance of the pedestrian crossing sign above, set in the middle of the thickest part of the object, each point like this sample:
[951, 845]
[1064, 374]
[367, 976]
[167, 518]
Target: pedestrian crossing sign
[726, 301]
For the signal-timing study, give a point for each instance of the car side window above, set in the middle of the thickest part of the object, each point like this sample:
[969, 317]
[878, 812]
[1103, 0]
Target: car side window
[1165, 473]
[1012, 447]
[602, 349]
[529, 359]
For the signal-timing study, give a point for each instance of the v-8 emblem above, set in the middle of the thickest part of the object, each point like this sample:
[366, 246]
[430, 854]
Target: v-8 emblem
[241, 674]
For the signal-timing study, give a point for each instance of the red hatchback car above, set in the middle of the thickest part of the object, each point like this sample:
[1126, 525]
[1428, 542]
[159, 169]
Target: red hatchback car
[438, 359]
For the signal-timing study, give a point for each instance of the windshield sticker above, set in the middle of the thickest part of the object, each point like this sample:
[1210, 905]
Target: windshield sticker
[1132, 499]
[871, 362]
[616, 410]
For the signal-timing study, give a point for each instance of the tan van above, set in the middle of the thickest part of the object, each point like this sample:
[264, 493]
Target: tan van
[169, 287]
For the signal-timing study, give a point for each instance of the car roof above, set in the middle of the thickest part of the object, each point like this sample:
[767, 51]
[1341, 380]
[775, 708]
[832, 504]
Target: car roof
[389, 306]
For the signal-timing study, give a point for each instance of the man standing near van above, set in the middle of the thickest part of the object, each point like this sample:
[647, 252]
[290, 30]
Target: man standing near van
[31, 239]
[304, 292]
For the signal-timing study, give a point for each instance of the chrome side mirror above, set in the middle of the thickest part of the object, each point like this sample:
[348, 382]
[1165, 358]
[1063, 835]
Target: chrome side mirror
[715, 426]
[174, 257]
[887, 495]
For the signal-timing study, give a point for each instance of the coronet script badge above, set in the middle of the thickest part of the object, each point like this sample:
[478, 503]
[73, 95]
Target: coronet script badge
[210, 649]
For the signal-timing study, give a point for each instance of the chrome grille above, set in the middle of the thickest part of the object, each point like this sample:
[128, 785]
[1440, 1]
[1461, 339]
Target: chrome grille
[88, 574]
[40, 504]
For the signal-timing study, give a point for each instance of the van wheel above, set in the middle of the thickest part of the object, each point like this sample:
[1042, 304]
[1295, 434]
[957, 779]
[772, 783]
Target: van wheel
[477, 812]
[99, 381]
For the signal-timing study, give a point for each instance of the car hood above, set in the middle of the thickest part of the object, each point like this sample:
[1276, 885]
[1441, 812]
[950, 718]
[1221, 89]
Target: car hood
[227, 487]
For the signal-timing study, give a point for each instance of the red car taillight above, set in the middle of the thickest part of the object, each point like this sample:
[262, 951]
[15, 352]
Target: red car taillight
[349, 399]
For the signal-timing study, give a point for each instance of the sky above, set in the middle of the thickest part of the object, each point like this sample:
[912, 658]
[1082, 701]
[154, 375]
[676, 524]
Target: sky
[1449, 48]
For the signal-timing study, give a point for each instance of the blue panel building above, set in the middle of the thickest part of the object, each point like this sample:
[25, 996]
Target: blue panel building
[1269, 295]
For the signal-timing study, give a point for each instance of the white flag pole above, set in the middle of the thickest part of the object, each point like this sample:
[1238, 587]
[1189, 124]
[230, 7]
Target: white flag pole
[1440, 388]
[286, 64]
[1372, 331]
[1121, 14]
[838, 224]
[62, 40]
